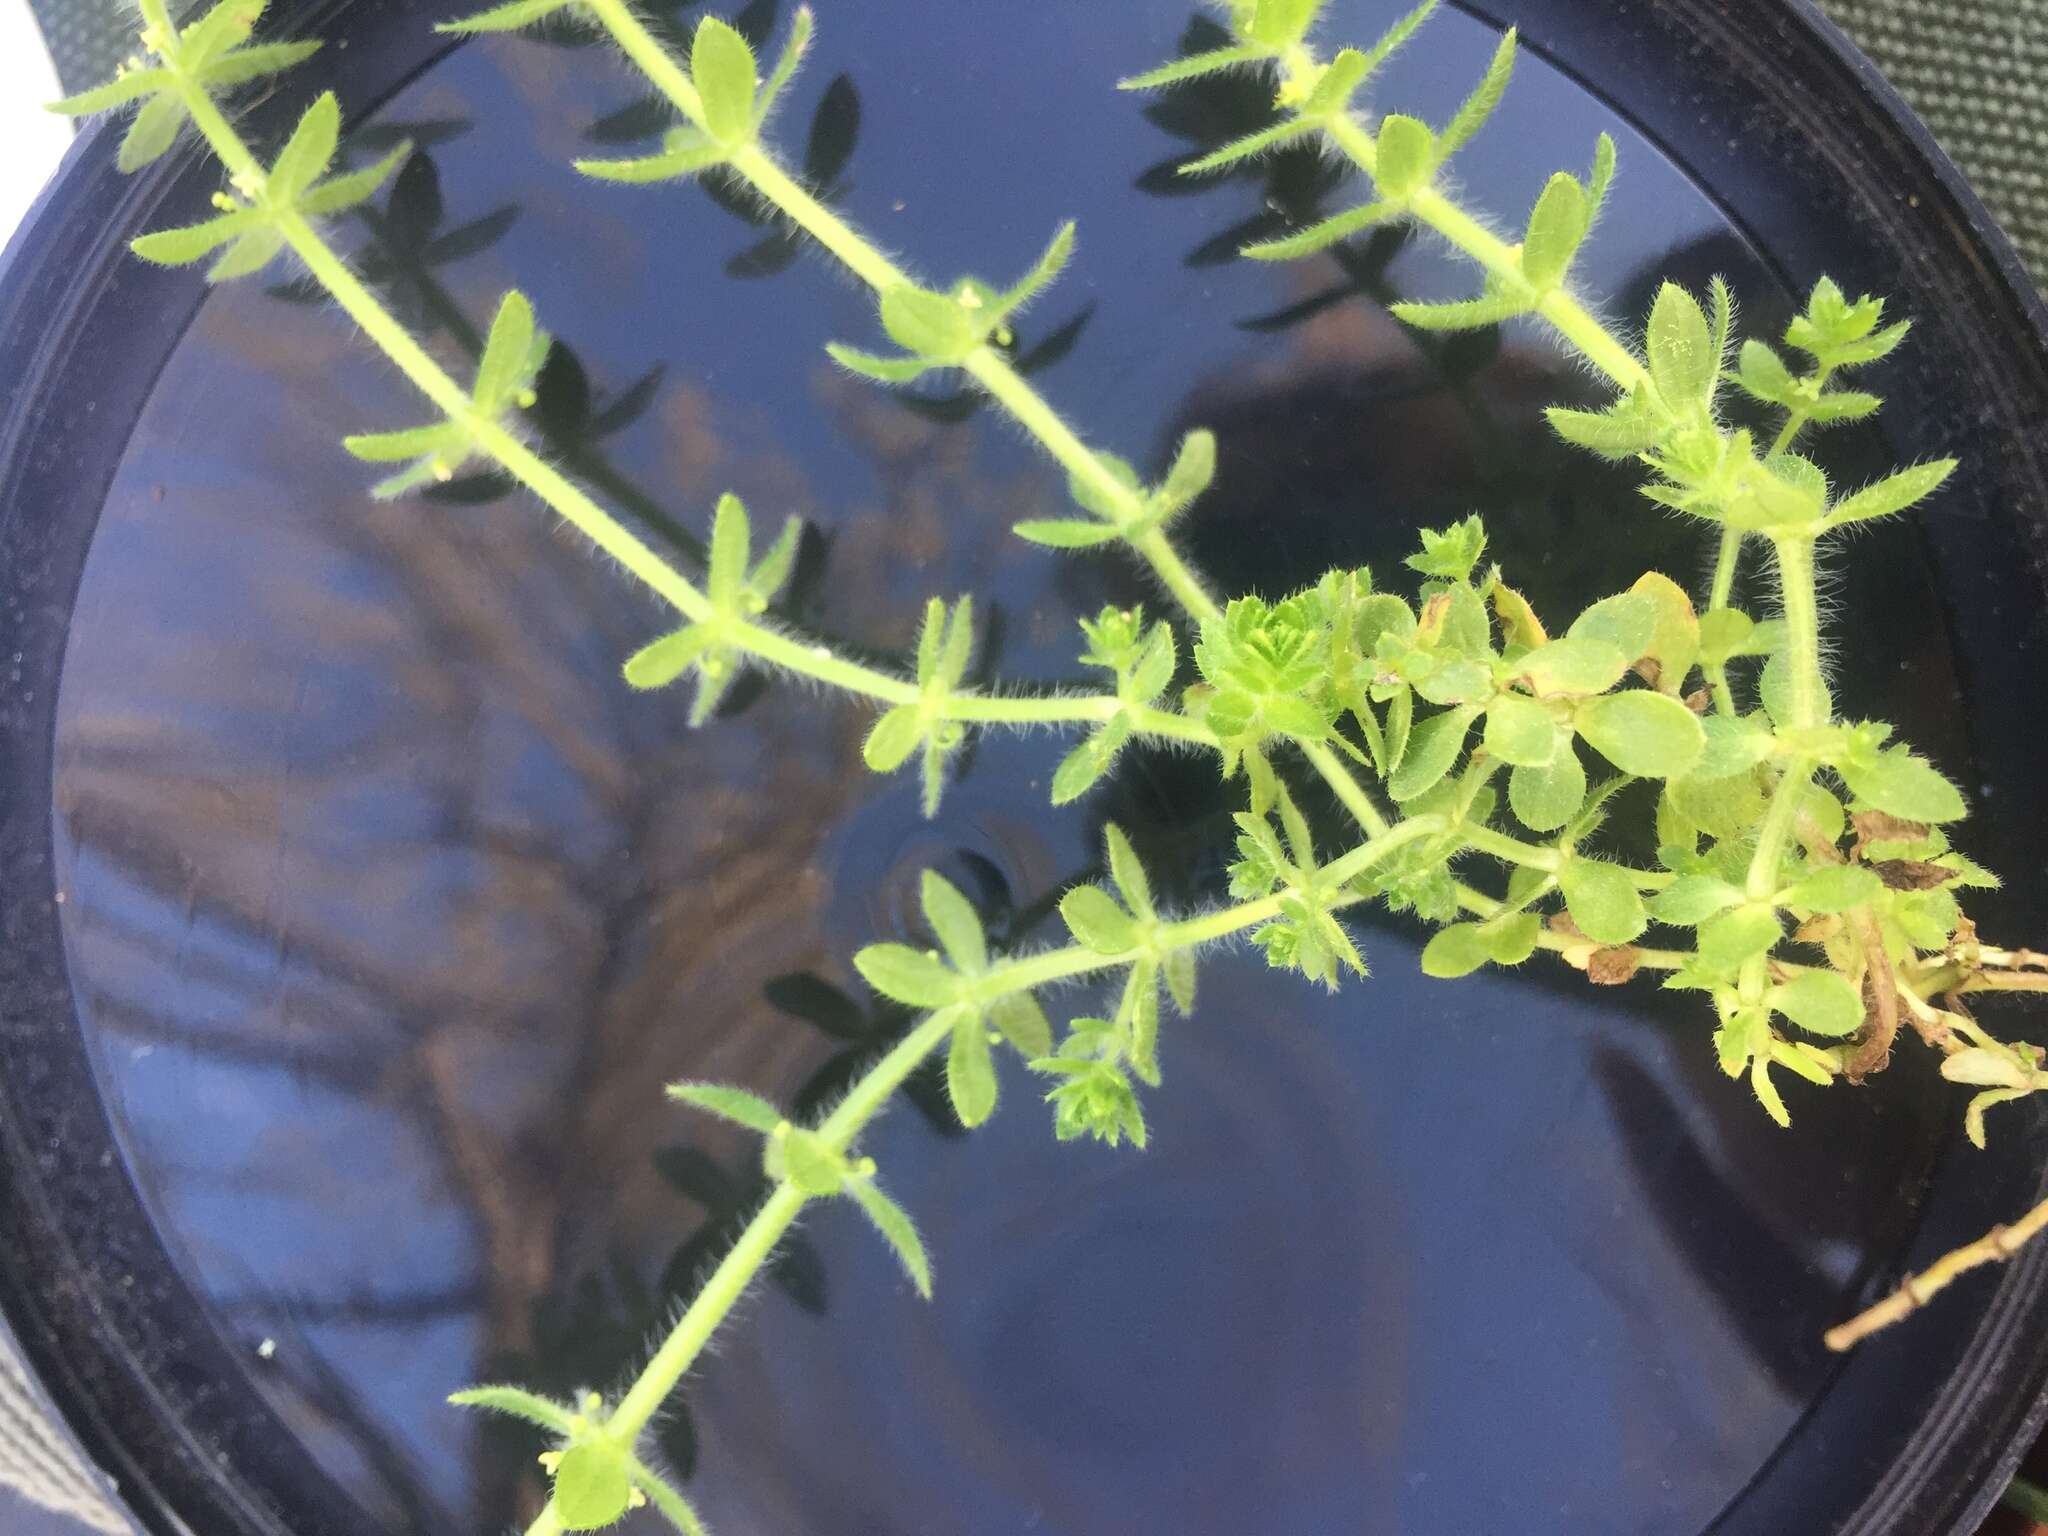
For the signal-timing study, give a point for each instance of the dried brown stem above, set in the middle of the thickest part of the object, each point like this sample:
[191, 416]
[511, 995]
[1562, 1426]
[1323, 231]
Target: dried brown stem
[1994, 1247]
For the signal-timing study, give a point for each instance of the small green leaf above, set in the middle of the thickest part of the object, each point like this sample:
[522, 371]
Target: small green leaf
[1019, 1019]
[1465, 315]
[971, 1073]
[182, 247]
[957, 652]
[1193, 67]
[1081, 768]
[1835, 888]
[224, 24]
[1128, 872]
[251, 252]
[1179, 971]
[1456, 951]
[786, 66]
[1628, 622]
[898, 1230]
[1433, 748]
[883, 370]
[1630, 426]
[1251, 146]
[1903, 785]
[955, 923]
[593, 1487]
[931, 325]
[307, 154]
[1511, 940]
[1683, 363]
[117, 92]
[505, 18]
[725, 570]
[1452, 553]
[1821, 1003]
[771, 573]
[246, 64]
[894, 738]
[1573, 666]
[1603, 900]
[1321, 236]
[512, 356]
[685, 152]
[1739, 935]
[1650, 735]
[1064, 532]
[338, 194]
[1096, 921]
[1520, 731]
[516, 1403]
[1043, 274]
[722, 66]
[1557, 227]
[1407, 157]
[1139, 1011]
[1891, 495]
[1763, 374]
[734, 1104]
[1691, 899]
[672, 1506]
[1479, 106]
[1192, 472]
[154, 131]
[1545, 799]
[1726, 633]
[908, 975]
[661, 663]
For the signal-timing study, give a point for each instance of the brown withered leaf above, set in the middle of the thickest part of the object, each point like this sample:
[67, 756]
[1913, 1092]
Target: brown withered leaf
[1912, 874]
[1612, 966]
[1881, 827]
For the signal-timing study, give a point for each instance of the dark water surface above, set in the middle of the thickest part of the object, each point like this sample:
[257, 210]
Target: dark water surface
[391, 909]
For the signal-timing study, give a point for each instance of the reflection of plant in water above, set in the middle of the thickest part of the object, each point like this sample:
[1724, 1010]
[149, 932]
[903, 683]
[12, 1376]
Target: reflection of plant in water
[1800, 861]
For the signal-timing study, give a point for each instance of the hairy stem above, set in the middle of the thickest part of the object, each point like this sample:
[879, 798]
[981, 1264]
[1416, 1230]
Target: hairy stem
[764, 642]
[873, 1092]
[1571, 319]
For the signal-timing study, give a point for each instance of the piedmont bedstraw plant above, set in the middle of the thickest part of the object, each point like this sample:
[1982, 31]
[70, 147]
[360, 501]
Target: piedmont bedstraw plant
[1803, 880]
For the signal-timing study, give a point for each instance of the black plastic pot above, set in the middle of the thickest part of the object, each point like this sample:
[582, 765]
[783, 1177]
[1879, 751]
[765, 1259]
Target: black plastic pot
[354, 913]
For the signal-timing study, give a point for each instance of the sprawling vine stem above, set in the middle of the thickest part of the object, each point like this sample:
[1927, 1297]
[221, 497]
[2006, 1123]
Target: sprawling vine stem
[867, 1098]
[1673, 369]
[759, 167]
[765, 642]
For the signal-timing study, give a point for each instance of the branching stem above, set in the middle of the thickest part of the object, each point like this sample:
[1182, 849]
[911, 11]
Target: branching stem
[764, 642]
[872, 1093]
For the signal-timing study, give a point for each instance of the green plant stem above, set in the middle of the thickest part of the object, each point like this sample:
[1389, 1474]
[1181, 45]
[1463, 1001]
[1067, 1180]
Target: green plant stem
[873, 1092]
[759, 168]
[1571, 319]
[1726, 560]
[765, 643]
[1808, 710]
[1802, 624]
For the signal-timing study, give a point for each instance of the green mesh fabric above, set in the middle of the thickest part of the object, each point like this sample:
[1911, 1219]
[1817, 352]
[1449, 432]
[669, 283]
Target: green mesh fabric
[1977, 72]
